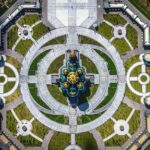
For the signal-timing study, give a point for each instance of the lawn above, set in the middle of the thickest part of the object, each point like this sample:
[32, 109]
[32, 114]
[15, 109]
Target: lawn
[111, 66]
[34, 93]
[39, 129]
[142, 6]
[22, 112]
[58, 40]
[11, 123]
[115, 19]
[121, 45]
[88, 64]
[23, 46]
[9, 72]
[59, 141]
[132, 36]
[111, 93]
[58, 118]
[86, 141]
[57, 94]
[117, 141]
[134, 122]
[106, 129]
[87, 40]
[56, 65]
[34, 65]
[8, 86]
[105, 30]
[29, 141]
[39, 30]
[12, 36]
[122, 112]
[29, 19]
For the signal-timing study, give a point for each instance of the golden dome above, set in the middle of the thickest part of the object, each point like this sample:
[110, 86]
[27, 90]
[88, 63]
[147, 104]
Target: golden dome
[72, 77]
[80, 85]
[66, 71]
[66, 85]
[79, 71]
[72, 53]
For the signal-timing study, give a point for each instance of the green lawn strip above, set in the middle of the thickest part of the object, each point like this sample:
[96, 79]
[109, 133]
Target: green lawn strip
[39, 30]
[22, 112]
[9, 72]
[135, 72]
[137, 86]
[122, 112]
[8, 86]
[29, 19]
[147, 147]
[88, 64]
[12, 36]
[88, 118]
[34, 93]
[86, 141]
[111, 67]
[132, 96]
[59, 141]
[57, 94]
[34, 65]
[57, 118]
[115, 19]
[23, 46]
[58, 40]
[88, 94]
[134, 122]
[39, 129]
[142, 6]
[132, 36]
[87, 40]
[11, 123]
[106, 129]
[56, 64]
[105, 30]
[111, 92]
[121, 45]
[14, 62]
[117, 141]
[29, 141]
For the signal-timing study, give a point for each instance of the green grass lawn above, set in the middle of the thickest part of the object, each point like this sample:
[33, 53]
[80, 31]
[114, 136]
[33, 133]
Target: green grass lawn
[22, 112]
[88, 64]
[59, 141]
[148, 147]
[34, 65]
[8, 86]
[29, 19]
[12, 36]
[39, 129]
[132, 36]
[39, 30]
[11, 123]
[58, 40]
[134, 122]
[142, 6]
[87, 40]
[106, 129]
[117, 141]
[122, 112]
[23, 46]
[111, 92]
[29, 141]
[58, 118]
[111, 67]
[115, 19]
[121, 45]
[9, 72]
[105, 30]
[34, 94]
[14, 62]
[57, 94]
[56, 64]
[86, 141]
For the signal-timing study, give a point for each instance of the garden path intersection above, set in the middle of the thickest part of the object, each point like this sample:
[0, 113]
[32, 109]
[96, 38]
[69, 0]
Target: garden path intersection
[106, 57]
